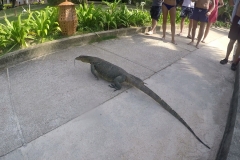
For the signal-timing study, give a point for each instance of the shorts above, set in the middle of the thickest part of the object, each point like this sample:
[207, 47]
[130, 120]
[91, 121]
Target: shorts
[186, 12]
[234, 33]
[155, 12]
[199, 14]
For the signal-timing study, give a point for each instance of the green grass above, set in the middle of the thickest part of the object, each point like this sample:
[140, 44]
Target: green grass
[10, 13]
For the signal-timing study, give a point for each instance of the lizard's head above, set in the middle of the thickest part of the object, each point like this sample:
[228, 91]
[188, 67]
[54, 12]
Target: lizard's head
[83, 58]
[88, 59]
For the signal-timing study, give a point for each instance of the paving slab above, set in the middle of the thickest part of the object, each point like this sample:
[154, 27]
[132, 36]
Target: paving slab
[133, 126]
[65, 113]
[9, 132]
[15, 155]
[201, 96]
[49, 91]
[149, 52]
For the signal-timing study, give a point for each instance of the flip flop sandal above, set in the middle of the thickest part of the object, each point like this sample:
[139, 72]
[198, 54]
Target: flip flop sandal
[224, 61]
[234, 66]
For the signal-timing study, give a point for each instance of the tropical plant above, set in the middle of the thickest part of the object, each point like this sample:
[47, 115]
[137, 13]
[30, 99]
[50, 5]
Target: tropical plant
[15, 33]
[112, 5]
[225, 12]
[109, 21]
[8, 5]
[123, 17]
[44, 23]
[139, 17]
[89, 18]
[110, 16]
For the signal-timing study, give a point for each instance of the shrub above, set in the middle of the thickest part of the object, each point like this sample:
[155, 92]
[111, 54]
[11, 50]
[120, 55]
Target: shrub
[115, 16]
[89, 18]
[8, 5]
[15, 33]
[40, 26]
[225, 12]
[44, 23]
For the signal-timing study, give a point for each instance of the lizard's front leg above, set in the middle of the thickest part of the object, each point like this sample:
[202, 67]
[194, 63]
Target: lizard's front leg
[117, 82]
[94, 72]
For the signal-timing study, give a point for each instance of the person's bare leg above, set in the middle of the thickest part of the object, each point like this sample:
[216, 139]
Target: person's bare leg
[229, 50]
[236, 58]
[164, 23]
[190, 26]
[200, 33]
[235, 61]
[172, 21]
[193, 31]
[181, 26]
[209, 24]
[154, 24]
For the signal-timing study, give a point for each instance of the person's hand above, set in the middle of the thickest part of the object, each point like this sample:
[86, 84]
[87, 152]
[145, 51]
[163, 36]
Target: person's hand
[220, 4]
[208, 13]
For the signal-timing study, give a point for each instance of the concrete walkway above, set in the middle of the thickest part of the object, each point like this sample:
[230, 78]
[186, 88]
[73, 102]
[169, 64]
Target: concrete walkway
[51, 109]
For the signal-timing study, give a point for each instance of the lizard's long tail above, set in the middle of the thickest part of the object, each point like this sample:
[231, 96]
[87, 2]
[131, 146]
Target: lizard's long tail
[149, 92]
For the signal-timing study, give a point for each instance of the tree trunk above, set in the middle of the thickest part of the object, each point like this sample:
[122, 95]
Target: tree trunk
[13, 3]
[1, 8]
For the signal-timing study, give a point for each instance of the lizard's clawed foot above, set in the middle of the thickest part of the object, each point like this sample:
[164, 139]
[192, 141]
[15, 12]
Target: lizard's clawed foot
[112, 85]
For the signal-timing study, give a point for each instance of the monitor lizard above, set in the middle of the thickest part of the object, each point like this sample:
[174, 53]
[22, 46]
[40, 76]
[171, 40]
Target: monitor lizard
[117, 75]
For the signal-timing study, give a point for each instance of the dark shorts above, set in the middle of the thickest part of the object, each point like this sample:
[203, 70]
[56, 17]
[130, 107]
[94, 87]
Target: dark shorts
[155, 12]
[234, 33]
[186, 12]
[199, 14]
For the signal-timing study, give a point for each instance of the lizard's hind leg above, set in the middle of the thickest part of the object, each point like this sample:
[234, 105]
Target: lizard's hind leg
[117, 82]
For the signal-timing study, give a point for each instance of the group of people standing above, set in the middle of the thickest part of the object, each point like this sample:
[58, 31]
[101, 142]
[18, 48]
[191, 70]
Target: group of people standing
[204, 12]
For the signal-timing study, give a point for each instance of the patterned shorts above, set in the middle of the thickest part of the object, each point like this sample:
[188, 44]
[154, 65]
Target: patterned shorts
[186, 12]
[155, 12]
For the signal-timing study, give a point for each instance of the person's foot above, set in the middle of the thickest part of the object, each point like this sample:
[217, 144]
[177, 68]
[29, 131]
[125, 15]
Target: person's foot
[163, 38]
[234, 66]
[149, 33]
[179, 34]
[203, 41]
[190, 37]
[190, 43]
[173, 42]
[197, 45]
[224, 61]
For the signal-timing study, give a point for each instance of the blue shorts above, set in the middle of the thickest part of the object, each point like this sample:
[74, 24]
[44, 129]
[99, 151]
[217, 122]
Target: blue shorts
[155, 12]
[186, 12]
[199, 14]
